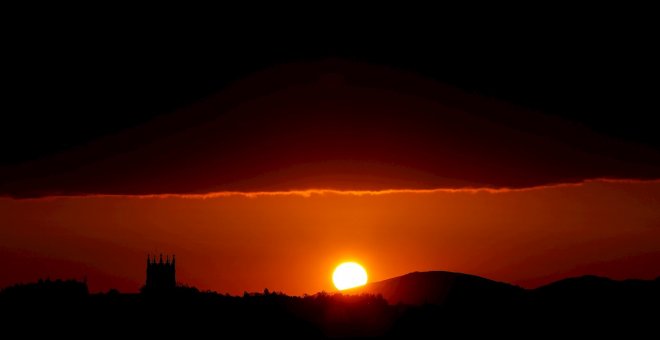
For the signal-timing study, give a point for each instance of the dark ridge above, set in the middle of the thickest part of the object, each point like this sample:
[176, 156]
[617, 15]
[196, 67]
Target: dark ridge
[431, 304]
[441, 287]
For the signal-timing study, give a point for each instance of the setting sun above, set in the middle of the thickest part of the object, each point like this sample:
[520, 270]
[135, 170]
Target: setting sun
[348, 275]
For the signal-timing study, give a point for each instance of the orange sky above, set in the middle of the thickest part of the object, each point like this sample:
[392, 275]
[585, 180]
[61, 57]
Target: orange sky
[291, 242]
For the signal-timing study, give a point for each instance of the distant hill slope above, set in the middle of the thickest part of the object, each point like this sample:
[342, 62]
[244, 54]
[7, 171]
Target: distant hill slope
[594, 291]
[457, 289]
[441, 287]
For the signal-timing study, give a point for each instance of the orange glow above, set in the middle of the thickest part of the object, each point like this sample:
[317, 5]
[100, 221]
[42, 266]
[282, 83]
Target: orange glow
[235, 242]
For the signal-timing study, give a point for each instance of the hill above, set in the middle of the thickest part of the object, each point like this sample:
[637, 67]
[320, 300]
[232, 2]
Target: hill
[597, 292]
[441, 287]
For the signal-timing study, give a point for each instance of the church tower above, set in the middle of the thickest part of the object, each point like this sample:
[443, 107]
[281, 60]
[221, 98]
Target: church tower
[161, 275]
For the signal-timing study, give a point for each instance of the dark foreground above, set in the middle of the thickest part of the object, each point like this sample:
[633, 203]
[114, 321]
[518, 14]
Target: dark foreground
[586, 307]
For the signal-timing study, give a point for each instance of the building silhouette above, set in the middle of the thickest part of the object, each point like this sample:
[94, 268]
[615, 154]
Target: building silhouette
[161, 275]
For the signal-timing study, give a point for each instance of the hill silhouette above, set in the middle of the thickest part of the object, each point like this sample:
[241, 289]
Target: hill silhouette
[415, 305]
[593, 291]
[441, 287]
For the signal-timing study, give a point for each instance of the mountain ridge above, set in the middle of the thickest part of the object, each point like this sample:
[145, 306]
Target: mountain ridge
[453, 288]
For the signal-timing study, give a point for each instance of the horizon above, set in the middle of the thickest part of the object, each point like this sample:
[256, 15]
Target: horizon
[216, 251]
[357, 290]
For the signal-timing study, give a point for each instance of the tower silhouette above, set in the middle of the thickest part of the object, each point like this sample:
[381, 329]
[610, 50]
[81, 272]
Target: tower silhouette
[160, 275]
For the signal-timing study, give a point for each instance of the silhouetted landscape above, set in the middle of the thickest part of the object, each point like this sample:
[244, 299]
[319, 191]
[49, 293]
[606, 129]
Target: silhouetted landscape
[300, 167]
[428, 304]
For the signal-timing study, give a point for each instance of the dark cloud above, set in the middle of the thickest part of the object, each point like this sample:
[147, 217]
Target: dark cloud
[340, 125]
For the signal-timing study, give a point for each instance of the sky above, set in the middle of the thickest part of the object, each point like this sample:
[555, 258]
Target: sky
[264, 161]
[292, 241]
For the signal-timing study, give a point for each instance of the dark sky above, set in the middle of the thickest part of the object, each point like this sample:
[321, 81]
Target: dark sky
[78, 94]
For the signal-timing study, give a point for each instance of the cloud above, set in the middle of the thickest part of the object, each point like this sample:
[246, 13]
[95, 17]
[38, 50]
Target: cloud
[335, 125]
[324, 192]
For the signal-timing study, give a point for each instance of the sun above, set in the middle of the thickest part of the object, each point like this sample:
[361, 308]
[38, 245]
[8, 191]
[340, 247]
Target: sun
[348, 275]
